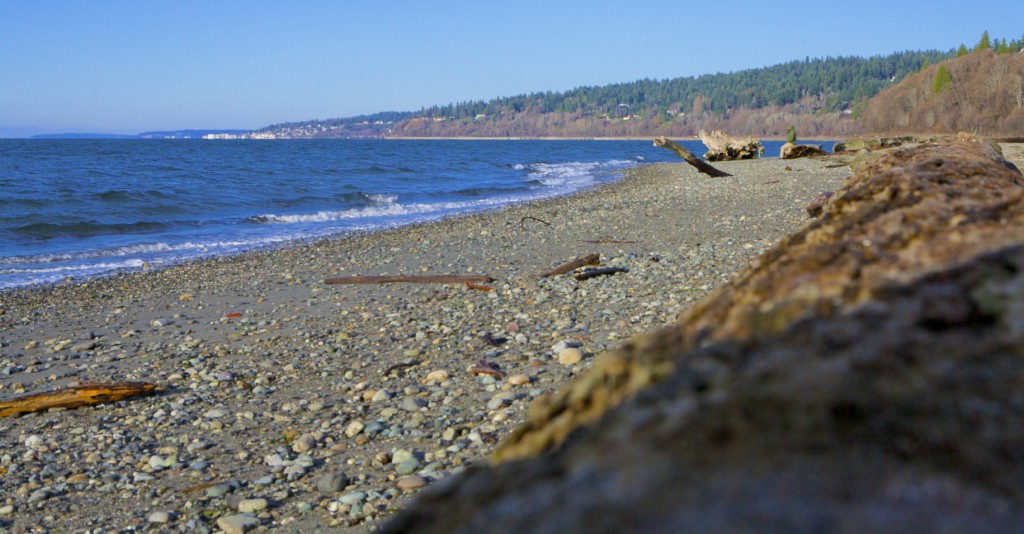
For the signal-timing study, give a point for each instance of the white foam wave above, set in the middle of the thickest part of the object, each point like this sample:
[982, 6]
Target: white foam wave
[575, 174]
[386, 211]
[381, 198]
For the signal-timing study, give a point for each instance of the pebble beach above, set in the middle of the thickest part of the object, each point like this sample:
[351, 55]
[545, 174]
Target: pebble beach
[287, 404]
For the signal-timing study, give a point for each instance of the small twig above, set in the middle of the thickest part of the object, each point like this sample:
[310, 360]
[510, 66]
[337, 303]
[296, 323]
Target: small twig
[478, 287]
[606, 241]
[591, 273]
[772, 182]
[523, 220]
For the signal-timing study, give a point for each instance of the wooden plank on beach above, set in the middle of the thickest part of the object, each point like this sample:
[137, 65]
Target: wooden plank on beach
[589, 259]
[412, 279]
[87, 394]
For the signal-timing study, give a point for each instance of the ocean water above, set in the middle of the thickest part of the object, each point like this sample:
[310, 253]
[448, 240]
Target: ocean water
[83, 208]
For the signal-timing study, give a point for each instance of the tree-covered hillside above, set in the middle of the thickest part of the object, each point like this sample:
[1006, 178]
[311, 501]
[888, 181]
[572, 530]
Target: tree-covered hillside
[838, 82]
[821, 96]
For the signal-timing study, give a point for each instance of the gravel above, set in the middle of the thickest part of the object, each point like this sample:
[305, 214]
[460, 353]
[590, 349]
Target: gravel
[285, 403]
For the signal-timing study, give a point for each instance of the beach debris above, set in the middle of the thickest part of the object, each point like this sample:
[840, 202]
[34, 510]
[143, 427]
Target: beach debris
[493, 341]
[589, 259]
[478, 287]
[791, 151]
[412, 279]
[522, 221]
[721, 147]
[698, 163]
[401, 365]
[607, 240]
[483, 367]
[592, 273]
[817, 205]
[86, 394]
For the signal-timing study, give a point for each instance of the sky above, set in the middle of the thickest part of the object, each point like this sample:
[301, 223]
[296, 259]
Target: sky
[133, 66]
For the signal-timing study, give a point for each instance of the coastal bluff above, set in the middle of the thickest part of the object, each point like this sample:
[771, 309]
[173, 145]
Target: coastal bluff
[864, 374]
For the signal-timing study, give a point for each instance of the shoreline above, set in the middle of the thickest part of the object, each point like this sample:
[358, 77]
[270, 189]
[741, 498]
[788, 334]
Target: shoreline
[272, 383]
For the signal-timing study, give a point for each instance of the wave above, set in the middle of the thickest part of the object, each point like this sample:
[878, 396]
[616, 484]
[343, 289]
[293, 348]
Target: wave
[384, 211]
[43, 231]
[573, 174]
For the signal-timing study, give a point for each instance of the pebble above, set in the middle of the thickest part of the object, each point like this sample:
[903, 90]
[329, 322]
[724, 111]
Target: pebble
[413, 404]
[237, 524]
[304, 443]
[411, 482]
[437, 376]
[332, 482]
[354, 428]
[252, 505]
[353, 497]
[159, 517]
[7, 509]
[570, 356]
[519, 379]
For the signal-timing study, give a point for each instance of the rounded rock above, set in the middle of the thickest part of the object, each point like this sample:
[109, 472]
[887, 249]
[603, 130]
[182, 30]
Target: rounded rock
[519, 379]
[252, 505]
[411, 482]
[159, 517]
[570, 356]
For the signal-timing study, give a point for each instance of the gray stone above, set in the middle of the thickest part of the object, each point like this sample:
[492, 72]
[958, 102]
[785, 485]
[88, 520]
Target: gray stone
[237, 524]
[332, 482]
[159, 517]
[413, 404]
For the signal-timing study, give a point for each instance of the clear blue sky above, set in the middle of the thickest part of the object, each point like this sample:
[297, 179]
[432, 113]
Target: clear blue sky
[132, 66]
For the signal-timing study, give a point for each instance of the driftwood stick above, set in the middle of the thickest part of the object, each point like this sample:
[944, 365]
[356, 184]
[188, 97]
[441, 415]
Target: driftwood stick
[524, 219]
[75, 397]
[589, 259]
[700, 164]
[591, 273]
[413, 279]
[607, 240]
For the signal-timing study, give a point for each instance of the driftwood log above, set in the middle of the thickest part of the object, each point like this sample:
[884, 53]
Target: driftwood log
[863, 375]
[791, 151]
[412, 279]
[87, 394]
[721, 147]
[587, 274]
[700, 164]
[589, 259]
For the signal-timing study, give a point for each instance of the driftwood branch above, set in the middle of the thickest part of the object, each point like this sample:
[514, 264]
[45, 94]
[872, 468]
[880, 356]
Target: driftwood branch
[607, 240]
[524, 219]
[413, 279]
[589, 259]
[88, 394]
[591, 273]
[700, 164]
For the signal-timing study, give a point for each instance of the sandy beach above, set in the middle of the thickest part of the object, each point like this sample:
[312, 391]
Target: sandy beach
[285, 403]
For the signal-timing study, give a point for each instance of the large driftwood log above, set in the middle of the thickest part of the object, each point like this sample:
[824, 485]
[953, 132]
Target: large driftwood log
[859, 376]
[87, 394]
[411, 279]
[700, 164]
[721, 147]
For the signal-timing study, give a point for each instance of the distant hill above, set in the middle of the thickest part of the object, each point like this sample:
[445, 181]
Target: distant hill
[819, 95]
[981, 91]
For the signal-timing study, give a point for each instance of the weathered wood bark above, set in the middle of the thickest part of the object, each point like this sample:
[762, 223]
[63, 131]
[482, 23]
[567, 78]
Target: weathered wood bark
[412, 279]
[589, 259]
[75, 397]
[859, 376]
[791, 151]
[593, 273]
[721, 147]
[700, 164]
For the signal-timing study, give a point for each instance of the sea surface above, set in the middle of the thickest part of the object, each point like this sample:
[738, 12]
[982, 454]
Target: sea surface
[83, 208]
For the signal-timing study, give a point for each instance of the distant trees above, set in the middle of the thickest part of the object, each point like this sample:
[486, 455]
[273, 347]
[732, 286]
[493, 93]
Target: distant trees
[942, 79]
